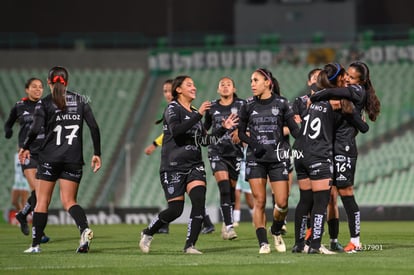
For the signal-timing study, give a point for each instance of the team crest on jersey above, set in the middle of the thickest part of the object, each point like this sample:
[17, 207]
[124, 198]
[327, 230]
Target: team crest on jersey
[275, 110]
[233, 110]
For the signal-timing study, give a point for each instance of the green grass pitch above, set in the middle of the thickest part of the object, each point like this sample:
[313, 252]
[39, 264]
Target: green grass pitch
[389, 249]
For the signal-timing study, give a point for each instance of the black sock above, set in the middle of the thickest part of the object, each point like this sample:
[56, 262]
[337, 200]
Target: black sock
[261, 236]
[333, 228]
[318, 216]
[30, 204]
[39, 224]
[353, 214]
[78, 214]
[173, 211]
[302, 211]
[198, 210]
[225, 202]
[207, 221]
[232, 196]
[276, 227]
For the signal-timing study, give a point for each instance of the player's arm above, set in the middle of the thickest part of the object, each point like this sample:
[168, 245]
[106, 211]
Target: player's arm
[94, 129]
[8, 126]
[352, 93]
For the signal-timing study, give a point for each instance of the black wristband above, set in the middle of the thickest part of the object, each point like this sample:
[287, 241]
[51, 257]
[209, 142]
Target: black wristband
[155, 144]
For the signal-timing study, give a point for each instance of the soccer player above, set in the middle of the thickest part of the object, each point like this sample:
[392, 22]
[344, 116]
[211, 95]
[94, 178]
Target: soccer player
[361, 92]
[264, 116]
[167, 92]
[182, 167]
[226, 154]
[23, 112]
[61, 114]
[20, 188]
[313, 164]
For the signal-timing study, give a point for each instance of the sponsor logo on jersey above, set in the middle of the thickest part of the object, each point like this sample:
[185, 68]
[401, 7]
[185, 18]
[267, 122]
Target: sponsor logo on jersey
[186, 117]
[25, 113]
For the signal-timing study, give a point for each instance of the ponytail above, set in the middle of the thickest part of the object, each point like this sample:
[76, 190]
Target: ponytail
[58, 77]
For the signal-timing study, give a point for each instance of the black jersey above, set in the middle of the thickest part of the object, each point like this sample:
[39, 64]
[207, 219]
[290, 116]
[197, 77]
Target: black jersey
[265, 120]
[345, 133]
[23, 112]
[180, 148]
[317, 132]
[63, 129]
[214, 118]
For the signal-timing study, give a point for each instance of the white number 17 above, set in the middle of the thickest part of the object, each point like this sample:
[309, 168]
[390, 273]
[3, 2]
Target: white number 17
[70, 137]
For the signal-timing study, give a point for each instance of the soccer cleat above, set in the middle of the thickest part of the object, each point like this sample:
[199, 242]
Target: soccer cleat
[24, 227]
[192, 250]
[264, 248]
[208, 229]
[33, 249]
[145, 242]
[279, 243]
[228, 234]
[44, 239]
[335, 246]
[85, 241]
[352, 248]
[321, 250]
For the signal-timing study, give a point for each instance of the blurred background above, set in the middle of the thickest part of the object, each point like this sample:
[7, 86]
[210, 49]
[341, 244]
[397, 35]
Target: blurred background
[119, 54]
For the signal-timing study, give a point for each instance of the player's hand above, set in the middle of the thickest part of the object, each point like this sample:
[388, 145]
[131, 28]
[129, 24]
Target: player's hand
[259, 150]
[235, 136]
[231, 121]
[24, 156]
[96, 163]
[150, 149]
[204, 107]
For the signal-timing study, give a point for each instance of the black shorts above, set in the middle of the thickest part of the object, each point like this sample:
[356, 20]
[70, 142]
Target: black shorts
[344, 171]
[54, 171]
[231, 165]
[31, 164]
[275, 171]
[314, 169]
[175, 183]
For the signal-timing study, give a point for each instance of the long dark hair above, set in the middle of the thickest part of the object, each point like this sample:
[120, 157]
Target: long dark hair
[58, 77]
[372, 104]
[275, 88]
